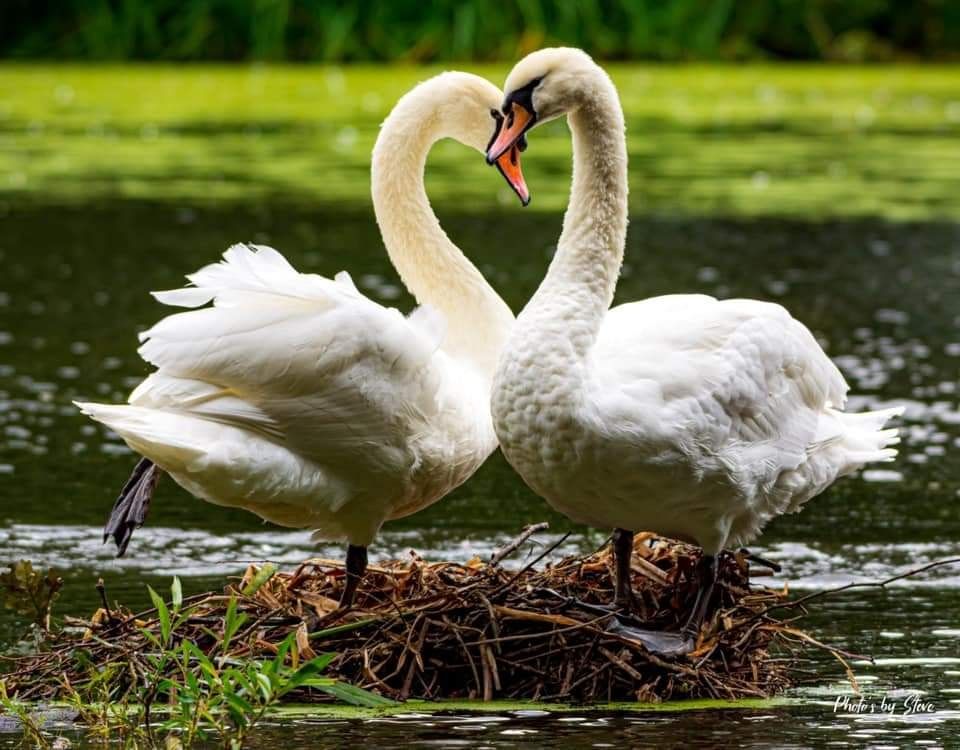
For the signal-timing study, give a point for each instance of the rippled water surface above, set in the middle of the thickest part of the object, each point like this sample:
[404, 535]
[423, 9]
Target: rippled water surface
[883, 297]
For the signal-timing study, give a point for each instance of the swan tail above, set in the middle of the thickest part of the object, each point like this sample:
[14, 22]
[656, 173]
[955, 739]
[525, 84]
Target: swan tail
[864, 438]
[135, 426]
[171, 440]
[130, 510]
[844, 443]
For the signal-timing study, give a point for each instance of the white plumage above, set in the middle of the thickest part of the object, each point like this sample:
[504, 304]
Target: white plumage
[696, 418]
[298, 398]
[683, 415]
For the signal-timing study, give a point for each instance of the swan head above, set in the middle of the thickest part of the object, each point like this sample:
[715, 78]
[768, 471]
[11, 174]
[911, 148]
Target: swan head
[459, 105]
[544, 85]
[467, 105]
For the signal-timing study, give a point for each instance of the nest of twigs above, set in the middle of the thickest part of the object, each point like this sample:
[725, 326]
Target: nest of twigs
[473, 631]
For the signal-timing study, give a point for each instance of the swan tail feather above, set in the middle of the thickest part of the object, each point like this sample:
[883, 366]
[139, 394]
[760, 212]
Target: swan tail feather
[866, 439]
[844, 443]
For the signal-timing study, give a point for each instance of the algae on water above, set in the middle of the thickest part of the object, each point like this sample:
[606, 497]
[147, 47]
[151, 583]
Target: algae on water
[769, 140]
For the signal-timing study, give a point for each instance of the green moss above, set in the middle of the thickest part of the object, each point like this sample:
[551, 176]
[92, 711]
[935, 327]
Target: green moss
[352, 712]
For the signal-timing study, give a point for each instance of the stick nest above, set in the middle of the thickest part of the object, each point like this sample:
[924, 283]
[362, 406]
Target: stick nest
[477, 631]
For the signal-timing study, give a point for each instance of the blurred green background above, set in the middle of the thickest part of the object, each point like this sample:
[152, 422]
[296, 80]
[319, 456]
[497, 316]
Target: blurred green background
[367, 30]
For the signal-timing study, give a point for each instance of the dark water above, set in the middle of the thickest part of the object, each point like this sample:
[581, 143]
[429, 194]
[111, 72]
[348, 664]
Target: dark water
[883, 298]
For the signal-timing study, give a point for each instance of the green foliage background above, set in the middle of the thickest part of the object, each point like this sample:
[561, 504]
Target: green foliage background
[413, 30]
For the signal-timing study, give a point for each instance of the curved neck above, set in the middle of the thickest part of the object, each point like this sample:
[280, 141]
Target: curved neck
[579, 286]
[432, 268]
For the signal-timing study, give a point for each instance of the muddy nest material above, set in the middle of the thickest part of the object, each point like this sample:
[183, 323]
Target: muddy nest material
[447, 630]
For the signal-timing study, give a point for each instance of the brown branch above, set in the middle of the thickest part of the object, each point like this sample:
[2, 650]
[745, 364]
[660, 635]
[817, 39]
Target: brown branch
[860, 585]
[508, 549]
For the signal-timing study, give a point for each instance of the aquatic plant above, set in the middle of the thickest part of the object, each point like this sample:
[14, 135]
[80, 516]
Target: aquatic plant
[31, 729]
[30, 592]
[181, 694]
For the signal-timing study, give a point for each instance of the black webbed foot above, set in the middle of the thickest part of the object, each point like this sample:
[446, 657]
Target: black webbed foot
[657, 642]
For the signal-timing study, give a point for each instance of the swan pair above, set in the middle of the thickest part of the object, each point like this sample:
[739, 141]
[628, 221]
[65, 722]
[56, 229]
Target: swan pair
[299, 399]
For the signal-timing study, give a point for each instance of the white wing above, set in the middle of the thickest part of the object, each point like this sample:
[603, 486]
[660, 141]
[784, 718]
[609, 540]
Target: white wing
[748, 365]
[295, 395]
[312, 360]
[740, 392]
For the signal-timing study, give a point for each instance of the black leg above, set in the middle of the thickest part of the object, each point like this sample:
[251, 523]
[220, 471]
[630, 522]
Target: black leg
[707, 575]
[356, 567]
[622, 552]
[683, 641]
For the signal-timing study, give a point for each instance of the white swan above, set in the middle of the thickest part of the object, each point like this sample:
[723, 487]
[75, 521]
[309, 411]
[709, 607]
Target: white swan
[695, 418]
[298, 398]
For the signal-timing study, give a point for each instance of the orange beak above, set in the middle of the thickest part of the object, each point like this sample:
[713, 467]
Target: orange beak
[518, 122]
[509, 166]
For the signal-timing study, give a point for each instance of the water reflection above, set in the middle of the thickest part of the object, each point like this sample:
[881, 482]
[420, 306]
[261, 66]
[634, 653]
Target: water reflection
[803, 725]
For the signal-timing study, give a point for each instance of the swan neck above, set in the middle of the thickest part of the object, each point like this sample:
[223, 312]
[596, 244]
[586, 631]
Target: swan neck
[432, 267]
[580, 284]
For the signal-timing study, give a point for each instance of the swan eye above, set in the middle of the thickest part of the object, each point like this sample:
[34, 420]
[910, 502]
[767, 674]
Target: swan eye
[522, 96]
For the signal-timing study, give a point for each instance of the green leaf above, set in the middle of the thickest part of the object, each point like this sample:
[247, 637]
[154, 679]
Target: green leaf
[150, 637]
[191, 681]
[353, 695]
[266, 686]
[287, 646]
[197, 653]
[176, 594]
[306, 672]
[322, 660]
[337, 629]
[231, 623]
[243, 680]
[82, 659]
[210, 633]
[239, 704]
[264, 574]
[162, 613]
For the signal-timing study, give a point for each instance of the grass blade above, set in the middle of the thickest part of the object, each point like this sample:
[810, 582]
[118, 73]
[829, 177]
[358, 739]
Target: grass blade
[263, 575]
[337, 629]
[176, 594]
[162, 613]
[351, 694]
